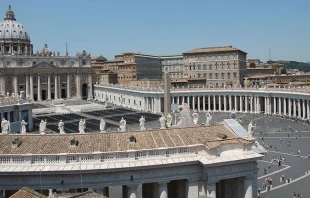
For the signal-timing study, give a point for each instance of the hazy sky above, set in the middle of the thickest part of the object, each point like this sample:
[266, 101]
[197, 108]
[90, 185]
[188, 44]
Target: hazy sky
[163, 27]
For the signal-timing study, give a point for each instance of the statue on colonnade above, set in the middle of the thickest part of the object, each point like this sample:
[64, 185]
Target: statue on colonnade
[61, 127]
[122, 125]
[42, 127]
[5, 126]
[23, 125]
[142, 124]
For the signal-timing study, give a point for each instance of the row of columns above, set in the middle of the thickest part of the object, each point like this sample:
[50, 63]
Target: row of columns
[257, 104]
[29, 84]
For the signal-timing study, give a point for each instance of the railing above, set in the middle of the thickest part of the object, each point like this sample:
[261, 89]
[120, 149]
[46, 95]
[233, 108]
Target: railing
[96, 157]
[297, 89]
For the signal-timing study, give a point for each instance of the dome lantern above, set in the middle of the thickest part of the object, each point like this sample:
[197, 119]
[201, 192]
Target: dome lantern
[9, 15]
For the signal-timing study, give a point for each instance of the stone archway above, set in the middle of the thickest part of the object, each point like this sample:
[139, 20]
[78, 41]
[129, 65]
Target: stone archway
[84, 91]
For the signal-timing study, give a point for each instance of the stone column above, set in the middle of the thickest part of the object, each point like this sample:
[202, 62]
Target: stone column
[299, 108]
[274, 105]
[248, 192]
[251, 104]
[289, 107]
[294, 107]
[39, 88]
[214, 103]
[246, 100]
[132, 191]
[220, 102]
[193, 104]
[204, 103]
[2, 84]
[188, 101]
[280, 106]
[56, 86]
[236, 105]
[78, 87]
[183, 99]
[31, 86]
[308, 110]
[258, 104]
[90, 85]
[178, 100]
[241, 103]
[303, 109]
[192, 191]
[265, 107]
[27, 85]
[211, 188]
[30, 120]
[230, 103]
[15, 86]
[59, 85]
[209, 103]
[284, 106]
[68, 86]
[225, 103]
[163, 190]
[49, 87]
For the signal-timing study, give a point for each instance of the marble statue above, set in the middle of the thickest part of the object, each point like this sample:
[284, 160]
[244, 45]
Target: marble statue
[23, 125]
[102, 126]
[142, 123]
[42, 127]
[61, 127]
[7, 94]
[185, 119]
[195, 117]
[5, 126]
[162, 121]
[251, 130]
[208, 119]
[82, 126]
[12, 95]
[169, 120]
[122, 125]
[58, 53]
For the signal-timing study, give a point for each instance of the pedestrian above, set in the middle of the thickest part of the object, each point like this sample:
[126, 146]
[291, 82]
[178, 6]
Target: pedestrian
[265, 171]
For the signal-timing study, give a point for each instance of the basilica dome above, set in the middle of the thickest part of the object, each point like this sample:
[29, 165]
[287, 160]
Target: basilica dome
[14, 38]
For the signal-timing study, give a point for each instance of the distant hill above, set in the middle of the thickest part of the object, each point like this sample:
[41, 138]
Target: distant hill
[294, 65]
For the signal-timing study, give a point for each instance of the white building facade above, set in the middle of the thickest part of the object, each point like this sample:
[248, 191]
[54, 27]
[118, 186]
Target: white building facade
[43, 75]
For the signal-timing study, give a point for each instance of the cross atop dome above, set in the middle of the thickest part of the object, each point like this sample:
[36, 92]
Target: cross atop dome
[9, 15]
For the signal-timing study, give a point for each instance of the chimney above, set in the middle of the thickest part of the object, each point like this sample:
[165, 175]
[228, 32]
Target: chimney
[16, 143]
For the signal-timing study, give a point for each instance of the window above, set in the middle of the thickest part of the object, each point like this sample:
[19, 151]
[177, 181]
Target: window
[235, 75]
[83, 62]
[210, 67]
[34, 62]
[210, 76]
[52, 62]
[222, 75]
[228, 75]
[216, 75]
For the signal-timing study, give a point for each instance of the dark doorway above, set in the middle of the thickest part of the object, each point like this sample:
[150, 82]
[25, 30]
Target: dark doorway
[43, 94]
[84, 91]
[52, 96]
[35, 97]
[63, 93]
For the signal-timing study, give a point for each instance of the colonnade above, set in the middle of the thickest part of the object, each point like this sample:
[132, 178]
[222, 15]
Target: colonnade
[293, 107]
[47, 90]
[186, 188]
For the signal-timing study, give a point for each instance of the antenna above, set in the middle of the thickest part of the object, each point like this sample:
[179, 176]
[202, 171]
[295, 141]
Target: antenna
[269, 54]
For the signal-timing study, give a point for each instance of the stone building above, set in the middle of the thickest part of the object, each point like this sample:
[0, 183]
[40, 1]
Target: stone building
[174, 65]
[42, 75]
[218, 66]
[213, 161]
[134, 66]
[14, 110]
